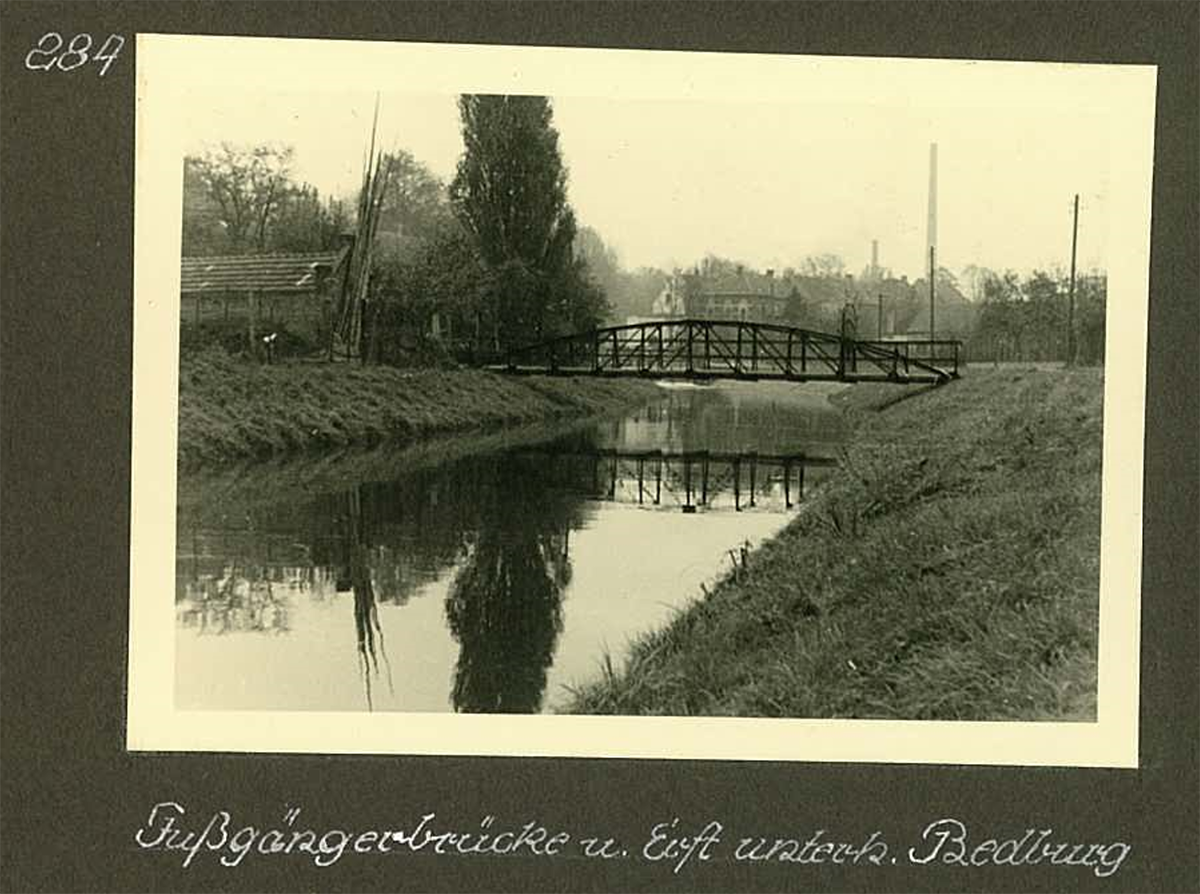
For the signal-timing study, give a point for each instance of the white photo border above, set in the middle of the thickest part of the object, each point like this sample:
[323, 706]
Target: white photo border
[168, 66]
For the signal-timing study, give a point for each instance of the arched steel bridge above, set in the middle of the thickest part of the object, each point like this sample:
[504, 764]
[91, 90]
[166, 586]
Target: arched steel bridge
[711, 349]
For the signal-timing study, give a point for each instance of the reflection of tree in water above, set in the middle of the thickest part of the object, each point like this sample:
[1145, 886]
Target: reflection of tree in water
[239, 601]
[369, 633]
[505, 604]
[495, 517]
[415, 527]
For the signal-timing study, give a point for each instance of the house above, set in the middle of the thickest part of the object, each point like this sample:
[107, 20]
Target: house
[294, 290]
[713, 295]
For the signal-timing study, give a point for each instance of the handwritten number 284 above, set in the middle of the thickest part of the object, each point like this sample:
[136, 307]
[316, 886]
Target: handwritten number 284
[50, 52]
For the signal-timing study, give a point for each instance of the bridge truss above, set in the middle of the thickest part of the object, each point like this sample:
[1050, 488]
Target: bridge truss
[710, 349]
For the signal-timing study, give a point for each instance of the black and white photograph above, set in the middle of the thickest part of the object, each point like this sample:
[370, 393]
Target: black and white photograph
[697, 404]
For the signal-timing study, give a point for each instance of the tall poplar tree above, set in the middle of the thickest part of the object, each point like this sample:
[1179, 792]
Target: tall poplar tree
[510, 193]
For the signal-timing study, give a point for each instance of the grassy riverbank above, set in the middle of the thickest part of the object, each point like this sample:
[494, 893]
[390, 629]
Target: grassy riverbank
[950, 570]
[231, 409]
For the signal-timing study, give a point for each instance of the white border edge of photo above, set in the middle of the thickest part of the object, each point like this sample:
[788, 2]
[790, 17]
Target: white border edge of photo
[169, 65]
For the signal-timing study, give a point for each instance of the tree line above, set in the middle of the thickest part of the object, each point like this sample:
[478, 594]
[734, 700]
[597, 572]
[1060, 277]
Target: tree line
[242, 200]
[1030, 318]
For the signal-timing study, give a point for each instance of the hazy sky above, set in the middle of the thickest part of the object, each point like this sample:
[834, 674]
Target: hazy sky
[667, 181]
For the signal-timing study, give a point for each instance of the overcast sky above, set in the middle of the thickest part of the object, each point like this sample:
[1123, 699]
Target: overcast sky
[665, 182]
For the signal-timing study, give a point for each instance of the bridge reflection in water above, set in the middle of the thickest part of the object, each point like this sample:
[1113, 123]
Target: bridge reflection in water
[688, 481]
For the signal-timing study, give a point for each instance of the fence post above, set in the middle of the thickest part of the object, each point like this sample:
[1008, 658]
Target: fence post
[252, 305]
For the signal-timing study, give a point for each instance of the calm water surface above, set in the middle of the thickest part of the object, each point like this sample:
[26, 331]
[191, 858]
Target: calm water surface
[486, 580]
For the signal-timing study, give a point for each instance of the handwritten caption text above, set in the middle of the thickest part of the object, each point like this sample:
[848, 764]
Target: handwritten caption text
[673, 843]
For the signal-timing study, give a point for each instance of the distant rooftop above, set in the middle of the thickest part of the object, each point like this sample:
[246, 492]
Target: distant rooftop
[261, 273]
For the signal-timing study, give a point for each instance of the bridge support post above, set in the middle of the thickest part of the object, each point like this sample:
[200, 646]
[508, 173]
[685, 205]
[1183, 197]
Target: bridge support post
[737, 485]
[790, 370]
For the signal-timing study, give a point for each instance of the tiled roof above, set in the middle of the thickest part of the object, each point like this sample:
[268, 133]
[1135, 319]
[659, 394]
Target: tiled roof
[262, 273]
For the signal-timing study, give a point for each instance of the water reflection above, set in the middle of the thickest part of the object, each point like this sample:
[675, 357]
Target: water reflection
[234, 602]
[464, 569]
[505, 605]
[368, 632]
[691, 482]
[765, 417]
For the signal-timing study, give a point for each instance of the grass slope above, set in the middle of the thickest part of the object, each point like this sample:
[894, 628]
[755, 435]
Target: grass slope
[949, 571]
[230, 409]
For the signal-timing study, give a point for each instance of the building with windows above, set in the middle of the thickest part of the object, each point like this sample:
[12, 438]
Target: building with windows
[720, 295]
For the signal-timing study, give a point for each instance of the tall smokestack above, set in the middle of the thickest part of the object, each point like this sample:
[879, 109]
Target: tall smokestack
[931, 224]
[875, 258]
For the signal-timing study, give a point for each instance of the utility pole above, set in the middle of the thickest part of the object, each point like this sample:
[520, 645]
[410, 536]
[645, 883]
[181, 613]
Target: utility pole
[879, 323]
[1071, 293]
[932, 270]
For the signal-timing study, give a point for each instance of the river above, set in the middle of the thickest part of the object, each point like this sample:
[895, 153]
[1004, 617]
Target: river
[481, 574]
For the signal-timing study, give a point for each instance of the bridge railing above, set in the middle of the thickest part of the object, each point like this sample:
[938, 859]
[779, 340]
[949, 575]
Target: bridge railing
[942, 354]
